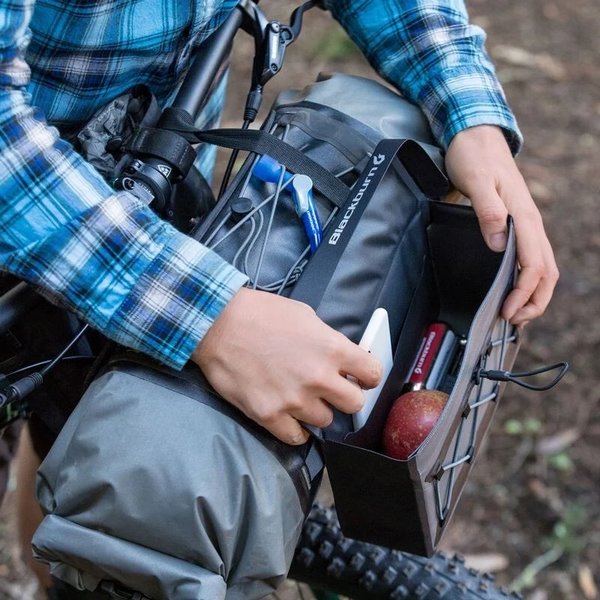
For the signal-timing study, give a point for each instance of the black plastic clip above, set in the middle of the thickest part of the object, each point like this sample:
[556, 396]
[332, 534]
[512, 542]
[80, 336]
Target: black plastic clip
[117, 592]
[498, 375]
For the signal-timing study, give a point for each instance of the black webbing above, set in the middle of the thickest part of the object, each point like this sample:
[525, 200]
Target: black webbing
[165, 145]
[317, 274]
[262, 142]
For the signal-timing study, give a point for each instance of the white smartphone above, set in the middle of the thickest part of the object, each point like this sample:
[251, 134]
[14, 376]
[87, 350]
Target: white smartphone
[377, 340]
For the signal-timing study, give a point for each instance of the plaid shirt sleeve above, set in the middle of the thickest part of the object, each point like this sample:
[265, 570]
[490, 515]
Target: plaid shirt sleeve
[430, 52]
[102, 254]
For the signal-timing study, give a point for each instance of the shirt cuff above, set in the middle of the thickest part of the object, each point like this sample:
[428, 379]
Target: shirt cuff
[465, 97]
[177, 298]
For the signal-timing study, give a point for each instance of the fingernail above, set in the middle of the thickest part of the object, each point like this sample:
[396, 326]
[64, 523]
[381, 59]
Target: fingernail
[377, 370]
[299, 439]
[498, 241]
[508, 312]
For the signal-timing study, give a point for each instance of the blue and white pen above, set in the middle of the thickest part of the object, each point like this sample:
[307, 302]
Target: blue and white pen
[269, 170]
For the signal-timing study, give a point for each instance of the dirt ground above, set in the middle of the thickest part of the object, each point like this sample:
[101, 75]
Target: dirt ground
[531, 510]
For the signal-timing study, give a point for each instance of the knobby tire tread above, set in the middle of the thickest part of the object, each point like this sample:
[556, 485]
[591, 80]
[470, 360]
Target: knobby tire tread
[325, 559]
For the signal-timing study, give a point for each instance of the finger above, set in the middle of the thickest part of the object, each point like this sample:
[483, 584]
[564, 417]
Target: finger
[287, 429]
[491, 214]
[317, 413]
[343, 393]
[538, 274]
[537, 304]
[526, 284]
[361, 365]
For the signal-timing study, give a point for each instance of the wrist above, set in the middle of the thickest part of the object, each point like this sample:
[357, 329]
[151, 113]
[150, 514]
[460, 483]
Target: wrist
[482, 136]
[209, 343]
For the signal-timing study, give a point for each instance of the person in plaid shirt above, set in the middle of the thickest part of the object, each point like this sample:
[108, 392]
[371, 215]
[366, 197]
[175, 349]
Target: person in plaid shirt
[106, 257]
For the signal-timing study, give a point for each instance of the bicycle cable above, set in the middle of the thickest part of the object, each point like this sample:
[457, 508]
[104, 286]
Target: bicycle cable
[48, 361]
[12, 395]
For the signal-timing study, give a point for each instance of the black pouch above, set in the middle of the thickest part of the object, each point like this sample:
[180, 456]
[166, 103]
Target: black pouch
[407, 504]
[387, 242]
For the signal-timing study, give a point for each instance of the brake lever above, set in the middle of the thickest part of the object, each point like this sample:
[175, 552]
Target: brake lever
[271, 39]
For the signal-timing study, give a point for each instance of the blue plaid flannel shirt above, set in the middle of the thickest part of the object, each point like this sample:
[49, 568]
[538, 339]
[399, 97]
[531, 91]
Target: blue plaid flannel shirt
[105, 255]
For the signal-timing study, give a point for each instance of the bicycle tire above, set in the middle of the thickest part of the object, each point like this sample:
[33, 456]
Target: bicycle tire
[325, 559]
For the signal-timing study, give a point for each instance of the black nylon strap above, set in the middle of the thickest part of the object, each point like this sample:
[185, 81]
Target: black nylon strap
[262, 142]
[351, 143]
[179, 121]
[164, 145]
[315, 279]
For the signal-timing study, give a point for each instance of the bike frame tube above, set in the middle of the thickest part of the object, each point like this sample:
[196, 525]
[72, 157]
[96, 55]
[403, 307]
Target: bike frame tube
[209, 59]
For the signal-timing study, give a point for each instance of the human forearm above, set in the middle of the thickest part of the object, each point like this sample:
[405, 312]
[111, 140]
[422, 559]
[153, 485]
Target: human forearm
[435, 57]
[481, 166]
[103, 255]
[110, 260]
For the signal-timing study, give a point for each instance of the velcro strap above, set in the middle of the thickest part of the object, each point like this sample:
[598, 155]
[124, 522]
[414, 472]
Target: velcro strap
[262, 142]
[165, 145]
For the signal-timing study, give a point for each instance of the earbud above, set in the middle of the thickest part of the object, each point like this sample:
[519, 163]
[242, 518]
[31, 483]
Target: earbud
[267, 169]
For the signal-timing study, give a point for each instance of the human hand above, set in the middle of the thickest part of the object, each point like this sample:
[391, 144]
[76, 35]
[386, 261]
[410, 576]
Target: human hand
[480, 165]
[275, 360]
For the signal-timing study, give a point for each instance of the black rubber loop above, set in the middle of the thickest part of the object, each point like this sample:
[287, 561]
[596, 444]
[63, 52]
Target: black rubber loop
[497, 375]
[164, 145]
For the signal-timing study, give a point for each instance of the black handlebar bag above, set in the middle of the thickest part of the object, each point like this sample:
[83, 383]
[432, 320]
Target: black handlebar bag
[159, 485]
[388, 241]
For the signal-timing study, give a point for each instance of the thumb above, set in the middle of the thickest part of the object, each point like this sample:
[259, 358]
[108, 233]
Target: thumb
[491, 214]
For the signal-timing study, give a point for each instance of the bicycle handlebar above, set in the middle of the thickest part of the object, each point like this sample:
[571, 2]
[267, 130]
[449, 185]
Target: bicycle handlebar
[209, 58]
[192, 95]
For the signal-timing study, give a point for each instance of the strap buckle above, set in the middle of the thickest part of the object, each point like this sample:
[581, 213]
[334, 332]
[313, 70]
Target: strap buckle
[118, 592]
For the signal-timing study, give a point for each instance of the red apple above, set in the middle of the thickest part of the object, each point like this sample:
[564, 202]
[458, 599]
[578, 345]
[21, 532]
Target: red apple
[411, 418]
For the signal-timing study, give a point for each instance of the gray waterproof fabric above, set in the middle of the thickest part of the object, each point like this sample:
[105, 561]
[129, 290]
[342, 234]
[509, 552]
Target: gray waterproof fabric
[383, 110]
[193, 513]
